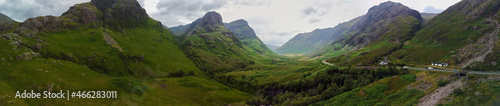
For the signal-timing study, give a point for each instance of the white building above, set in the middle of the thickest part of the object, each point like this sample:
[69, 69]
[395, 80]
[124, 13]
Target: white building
[383, 63]
[439, 64]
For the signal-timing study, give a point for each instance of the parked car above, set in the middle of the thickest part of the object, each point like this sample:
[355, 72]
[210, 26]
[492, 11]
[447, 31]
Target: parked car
[430, 68]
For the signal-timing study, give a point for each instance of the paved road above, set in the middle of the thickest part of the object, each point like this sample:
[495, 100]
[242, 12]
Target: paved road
[324, 62]
[441, 70]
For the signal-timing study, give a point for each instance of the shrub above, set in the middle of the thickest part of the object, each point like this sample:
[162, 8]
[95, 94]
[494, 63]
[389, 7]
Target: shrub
[409, 77]
[458, 91]
[471, 76]
[443, 82]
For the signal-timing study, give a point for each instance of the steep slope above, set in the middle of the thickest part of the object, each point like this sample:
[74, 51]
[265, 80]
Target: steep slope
[382, 30]
[306, 43]
[5, 19]
[213, 47]
[110, 45]
[179, 30]
[428, 16]
[247, 36]
[464, 33]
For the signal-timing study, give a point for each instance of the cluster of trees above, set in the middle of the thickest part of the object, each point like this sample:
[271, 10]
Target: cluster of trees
[181, 73]
[310, 88]
[320, 86]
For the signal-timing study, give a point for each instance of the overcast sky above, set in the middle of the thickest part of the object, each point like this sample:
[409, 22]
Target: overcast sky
[274, 21]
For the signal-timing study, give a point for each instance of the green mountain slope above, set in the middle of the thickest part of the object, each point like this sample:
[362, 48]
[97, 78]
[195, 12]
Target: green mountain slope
[179, 30]
[247, 36]
[428, 16]
[213, 47]
[307, 43]
[104, 45]
[464, 33]
[5, 19]
[382, 30]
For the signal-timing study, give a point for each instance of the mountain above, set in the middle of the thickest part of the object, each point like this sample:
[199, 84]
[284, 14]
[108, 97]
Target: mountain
[463, 35]
[247, 36]
[272, 47]
[179, 30]
[6, 23]
[306, 43]
[110, 45]
[212, 46]
[428, 16]
[5, 19]
[382, 30]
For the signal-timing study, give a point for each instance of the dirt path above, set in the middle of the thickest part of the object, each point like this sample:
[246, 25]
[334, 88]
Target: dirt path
[110, 41]
[324, 62]
[432, 99]
[488, 41]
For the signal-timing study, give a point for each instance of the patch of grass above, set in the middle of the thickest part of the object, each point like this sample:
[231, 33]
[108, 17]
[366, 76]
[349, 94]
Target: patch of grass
[409, 77]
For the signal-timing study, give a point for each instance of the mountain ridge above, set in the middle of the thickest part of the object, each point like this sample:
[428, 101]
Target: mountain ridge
[248, 37]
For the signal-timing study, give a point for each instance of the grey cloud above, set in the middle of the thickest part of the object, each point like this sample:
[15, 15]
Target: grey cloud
[312, 21]
[431, 9]
[21, 10]
[309, 10]
[313, 11]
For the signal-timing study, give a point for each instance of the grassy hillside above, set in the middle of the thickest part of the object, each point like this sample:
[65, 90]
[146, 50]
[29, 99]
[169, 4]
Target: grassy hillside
[85, 50]
[315, 41]
[455, 38]
[428, 16]
[404, 89]
[367, 44]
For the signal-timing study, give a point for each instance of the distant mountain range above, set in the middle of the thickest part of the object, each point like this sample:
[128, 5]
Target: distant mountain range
[272, 47]
[394, 31]
[113, 45]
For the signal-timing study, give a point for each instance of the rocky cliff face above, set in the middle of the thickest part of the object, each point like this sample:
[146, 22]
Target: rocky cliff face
[384, 11]
[377, 34]
[211, 21]
[247, 36]
[380, 20]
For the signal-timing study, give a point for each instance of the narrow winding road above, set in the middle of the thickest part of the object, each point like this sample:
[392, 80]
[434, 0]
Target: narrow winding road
[441, 70]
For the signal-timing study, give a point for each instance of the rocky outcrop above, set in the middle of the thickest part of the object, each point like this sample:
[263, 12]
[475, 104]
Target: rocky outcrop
[383, 11]
[82, 14]
[386, 18]
[211, 20]
[247, 36]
